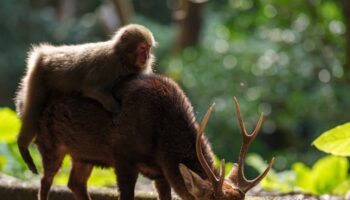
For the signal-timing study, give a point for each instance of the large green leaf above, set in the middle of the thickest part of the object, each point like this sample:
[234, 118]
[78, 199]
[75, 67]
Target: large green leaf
[335, 141]
[9, 125]
[303, 177]
[327, 176]
[328, 173]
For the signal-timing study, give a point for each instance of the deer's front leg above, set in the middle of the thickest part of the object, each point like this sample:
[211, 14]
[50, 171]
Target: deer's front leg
[163, 188]
[126, 177]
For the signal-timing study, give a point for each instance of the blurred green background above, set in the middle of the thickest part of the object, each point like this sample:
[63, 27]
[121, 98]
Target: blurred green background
[288, 59]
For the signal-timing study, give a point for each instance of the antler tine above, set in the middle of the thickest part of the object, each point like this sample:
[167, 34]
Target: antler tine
[248, 138]
[243, 183]
[254, 182]
[207, 169]
[240, 119]
[221, 175]
[257, 128]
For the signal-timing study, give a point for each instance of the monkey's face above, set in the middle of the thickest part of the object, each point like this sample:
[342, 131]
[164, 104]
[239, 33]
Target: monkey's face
[142, 54]
[134, 43]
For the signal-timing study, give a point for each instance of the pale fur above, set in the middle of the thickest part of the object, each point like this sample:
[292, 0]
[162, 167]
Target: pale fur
[92, 69]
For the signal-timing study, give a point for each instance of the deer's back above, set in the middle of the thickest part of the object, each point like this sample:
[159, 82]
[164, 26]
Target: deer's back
[155, 119]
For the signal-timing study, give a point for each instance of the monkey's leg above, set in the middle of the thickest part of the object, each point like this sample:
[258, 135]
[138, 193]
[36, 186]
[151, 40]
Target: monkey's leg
[51, 164]
[163, 188]
[126, 177]
[79, 175]
[104, 97]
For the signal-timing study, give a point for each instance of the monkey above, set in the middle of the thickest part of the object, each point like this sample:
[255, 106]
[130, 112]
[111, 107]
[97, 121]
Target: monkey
[91, 69]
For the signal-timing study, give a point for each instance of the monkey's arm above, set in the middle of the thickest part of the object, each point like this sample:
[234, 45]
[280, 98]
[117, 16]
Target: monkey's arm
[104, 96]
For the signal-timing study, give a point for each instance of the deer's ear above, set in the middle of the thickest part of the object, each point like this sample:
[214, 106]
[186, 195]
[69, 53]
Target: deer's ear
[193, 182]
[233, 176]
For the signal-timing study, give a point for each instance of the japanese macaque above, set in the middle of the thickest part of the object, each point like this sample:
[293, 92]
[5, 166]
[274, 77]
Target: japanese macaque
[91, 69]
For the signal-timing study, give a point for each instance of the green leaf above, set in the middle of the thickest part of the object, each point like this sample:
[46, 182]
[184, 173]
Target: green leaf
[342, 188]
[282, 181]
[330, 10]
[99, 177]
[228, 165]
[102, 177]
[3, 161]
[335, 141]
[62, 176]
[303, 177]
[257, 162]
[328, 173]
[327, 176]
[9, 125]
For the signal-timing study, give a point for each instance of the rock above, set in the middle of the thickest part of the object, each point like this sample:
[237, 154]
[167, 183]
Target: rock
[13, 189]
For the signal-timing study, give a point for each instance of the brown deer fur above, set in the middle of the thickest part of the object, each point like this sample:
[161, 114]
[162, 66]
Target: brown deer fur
[155, 132]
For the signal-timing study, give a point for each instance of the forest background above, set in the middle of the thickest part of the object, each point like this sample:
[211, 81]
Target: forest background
[288, 59]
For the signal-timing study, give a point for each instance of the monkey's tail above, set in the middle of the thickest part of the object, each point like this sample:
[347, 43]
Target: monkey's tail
[23, 149]
[30, 101]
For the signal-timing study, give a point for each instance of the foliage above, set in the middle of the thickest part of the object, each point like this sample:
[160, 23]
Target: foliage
[329, 175]
[9, 125]
[281, 58]
[11, 162]
[335, 141]
[30, 22]
[99, 177]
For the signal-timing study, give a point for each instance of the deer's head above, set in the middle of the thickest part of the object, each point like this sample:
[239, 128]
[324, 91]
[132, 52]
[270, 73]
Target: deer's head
[217, 186]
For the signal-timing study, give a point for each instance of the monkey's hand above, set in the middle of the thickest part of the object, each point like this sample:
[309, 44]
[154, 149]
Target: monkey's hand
[105, 98]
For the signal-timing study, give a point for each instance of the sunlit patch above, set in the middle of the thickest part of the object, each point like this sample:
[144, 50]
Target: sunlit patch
[230, 62]
[221, 46]
[301, 23]
[252, 94]
[265, 108]
[337, 27]
[270, 11]
[241, 4]
[337, 70]
[269, 127]
[324, 76]
[288, 36]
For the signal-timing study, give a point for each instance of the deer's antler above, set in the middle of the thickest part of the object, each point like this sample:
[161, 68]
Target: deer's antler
[237, 172]
[217, 181]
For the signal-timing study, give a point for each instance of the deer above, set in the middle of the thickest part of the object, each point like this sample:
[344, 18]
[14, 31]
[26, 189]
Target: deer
[155, 134]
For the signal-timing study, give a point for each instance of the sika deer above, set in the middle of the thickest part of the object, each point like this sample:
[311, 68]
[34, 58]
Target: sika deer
[155, 134]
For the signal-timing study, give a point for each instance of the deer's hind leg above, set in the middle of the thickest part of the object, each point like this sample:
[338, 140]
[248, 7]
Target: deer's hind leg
[52, 161]
[78, 178]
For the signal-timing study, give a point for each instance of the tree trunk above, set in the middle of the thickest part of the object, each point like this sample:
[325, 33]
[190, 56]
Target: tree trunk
[189, 21]
[65, 9]
[125, 10]
[114, 14]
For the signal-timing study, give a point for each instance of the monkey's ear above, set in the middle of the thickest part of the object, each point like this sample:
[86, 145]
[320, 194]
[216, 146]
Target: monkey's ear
[194, 183]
